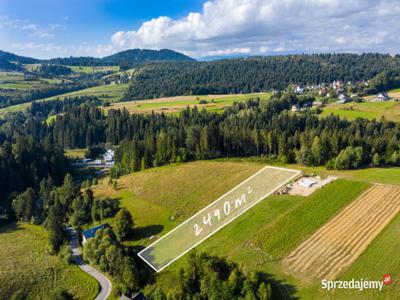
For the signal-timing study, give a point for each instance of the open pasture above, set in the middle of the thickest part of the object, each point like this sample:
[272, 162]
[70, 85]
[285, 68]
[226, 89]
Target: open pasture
[390, 110]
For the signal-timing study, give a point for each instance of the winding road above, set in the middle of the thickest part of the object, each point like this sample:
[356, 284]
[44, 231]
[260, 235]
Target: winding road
[104, 282]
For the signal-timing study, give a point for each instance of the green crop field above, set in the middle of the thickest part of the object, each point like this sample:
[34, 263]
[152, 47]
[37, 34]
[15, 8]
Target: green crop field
[368, 110]
[26, 266]
[285, 234]
[161, 198]
[215, 103]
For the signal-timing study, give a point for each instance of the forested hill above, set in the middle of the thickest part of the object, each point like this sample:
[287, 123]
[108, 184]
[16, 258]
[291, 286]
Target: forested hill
[11, 57]
[255, 74]
[8, 66]
[126, 58]
[141, 55]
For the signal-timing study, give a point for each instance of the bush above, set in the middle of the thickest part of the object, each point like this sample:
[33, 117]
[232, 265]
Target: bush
[66, 254]
[106, 208]
[123, 224]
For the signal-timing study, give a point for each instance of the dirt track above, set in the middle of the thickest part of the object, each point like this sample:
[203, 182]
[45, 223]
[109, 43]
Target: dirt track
[337, 244]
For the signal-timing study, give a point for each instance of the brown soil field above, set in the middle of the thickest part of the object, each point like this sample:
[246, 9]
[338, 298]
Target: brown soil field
[337, 244]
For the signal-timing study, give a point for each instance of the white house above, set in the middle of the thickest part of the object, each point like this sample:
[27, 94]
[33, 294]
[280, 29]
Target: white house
[298, 89]
[109, 155]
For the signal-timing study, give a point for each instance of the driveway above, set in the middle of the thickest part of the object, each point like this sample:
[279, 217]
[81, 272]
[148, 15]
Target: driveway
[104, 282]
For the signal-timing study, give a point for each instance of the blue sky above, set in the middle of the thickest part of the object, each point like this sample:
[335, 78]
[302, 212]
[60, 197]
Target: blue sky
[44, 28]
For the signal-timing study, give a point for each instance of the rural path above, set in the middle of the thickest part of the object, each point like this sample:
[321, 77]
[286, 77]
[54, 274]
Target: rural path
[104, 282]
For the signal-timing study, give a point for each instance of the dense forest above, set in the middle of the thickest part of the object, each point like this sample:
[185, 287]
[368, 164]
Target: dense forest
[255, 74]
[9, 66]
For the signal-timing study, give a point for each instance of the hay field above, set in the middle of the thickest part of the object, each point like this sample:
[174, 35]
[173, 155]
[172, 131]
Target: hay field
[336, 245]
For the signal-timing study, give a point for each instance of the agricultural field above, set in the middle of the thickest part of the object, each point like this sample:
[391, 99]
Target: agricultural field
[257, 240]
[216, 103]
[109, 92]
[260, 239]
[26, 266]
[337, 244]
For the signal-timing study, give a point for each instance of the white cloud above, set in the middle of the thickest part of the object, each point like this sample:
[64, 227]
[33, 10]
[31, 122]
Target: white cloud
[265, 26]
[34, 30]
[39, 31]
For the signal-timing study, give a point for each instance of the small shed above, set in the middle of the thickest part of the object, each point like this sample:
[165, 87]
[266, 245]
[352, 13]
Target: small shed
[307, 183]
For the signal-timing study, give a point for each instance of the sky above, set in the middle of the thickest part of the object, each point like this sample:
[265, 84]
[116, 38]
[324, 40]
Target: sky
[201, 29]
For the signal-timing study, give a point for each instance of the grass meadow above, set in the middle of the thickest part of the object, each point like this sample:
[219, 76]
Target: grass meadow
[26, 266]
[161, 198]
[368, 110]
[215, 103]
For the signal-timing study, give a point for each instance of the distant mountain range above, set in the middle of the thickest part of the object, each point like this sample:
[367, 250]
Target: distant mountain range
[11, 61]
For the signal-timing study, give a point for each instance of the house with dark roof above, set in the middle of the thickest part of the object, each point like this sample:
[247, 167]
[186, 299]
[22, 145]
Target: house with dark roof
[91, 232]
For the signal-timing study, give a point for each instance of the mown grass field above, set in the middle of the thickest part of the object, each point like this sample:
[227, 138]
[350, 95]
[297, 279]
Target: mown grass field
[258, 239]
[216, 103]
[161, 198]
[114, 92]
[368, 110]
[110, 92]
[25, 265]
[88, 69]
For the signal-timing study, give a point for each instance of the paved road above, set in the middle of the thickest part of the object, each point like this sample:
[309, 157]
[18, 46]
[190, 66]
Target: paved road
[104, 282]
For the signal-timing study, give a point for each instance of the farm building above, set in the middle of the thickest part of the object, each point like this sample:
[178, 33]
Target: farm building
[307, 182]
[382, 97]
[91, 232]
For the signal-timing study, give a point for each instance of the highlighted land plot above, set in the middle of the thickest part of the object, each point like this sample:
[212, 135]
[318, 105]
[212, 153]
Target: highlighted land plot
[212, 218]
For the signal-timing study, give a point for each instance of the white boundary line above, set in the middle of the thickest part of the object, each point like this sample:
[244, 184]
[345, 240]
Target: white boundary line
[199, 212]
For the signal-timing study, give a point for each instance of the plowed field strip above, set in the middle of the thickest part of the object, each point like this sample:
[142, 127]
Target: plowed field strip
[339, 242]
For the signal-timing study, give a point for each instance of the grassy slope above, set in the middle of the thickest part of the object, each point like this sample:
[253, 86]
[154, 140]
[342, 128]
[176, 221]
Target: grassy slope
[369, 110]
[25, 265]
[113, 92]
[154, 195]
[175, 104]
